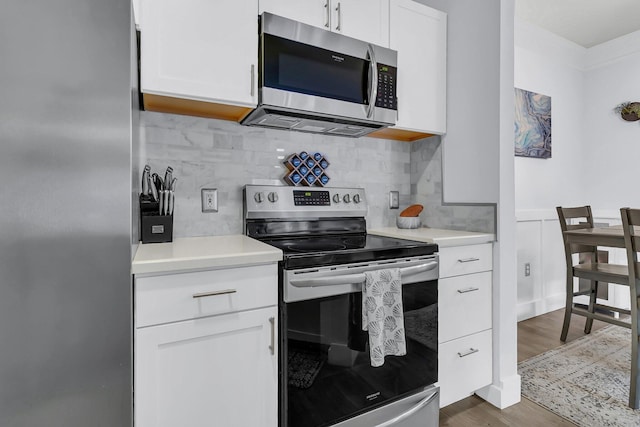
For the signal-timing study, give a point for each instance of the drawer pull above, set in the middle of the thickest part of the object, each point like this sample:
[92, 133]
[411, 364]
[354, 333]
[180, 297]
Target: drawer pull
[464, 291]
[214, 293]
[272, 347]
[468, 353]
[469, 259]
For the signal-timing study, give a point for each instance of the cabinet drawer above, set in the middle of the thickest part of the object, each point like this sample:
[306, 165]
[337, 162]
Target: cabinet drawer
[464, 305]
[465, 259]
[464, 366]
[173, 297]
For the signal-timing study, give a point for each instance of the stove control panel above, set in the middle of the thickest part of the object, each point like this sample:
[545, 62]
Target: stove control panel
[270, 201]
[311, 198]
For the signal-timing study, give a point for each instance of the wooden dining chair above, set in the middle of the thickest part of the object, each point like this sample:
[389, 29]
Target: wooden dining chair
[576, 218]
[630, 219]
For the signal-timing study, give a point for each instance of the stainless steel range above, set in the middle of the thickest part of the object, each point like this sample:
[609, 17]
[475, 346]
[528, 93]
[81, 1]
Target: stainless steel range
[326, 374]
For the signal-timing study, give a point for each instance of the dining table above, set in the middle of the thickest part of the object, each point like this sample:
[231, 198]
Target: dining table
[612, 236]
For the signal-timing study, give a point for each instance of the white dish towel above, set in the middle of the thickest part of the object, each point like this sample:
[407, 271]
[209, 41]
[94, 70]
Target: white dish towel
[382, 314]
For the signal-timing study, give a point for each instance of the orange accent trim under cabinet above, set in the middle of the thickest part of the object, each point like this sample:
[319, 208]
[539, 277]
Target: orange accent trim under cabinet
[399, 134]
[190, 107]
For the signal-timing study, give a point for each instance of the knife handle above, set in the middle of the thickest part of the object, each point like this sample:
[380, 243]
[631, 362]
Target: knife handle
[154, 192]
[171, 200]
[161, 203]
[145, 182]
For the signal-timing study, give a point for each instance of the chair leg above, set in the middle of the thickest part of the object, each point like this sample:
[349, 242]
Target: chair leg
[592, 303]
[568, 308]
[634, 393]
[634, 386]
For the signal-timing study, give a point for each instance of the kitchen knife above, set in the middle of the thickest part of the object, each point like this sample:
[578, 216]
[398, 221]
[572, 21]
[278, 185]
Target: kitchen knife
[145, 180]
[166, 202]
[172, 195]
[154, 188]
[151, 187]
[161, 210]
[168, 177]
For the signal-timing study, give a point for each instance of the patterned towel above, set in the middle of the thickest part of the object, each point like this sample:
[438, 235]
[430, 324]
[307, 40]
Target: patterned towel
[382, 314]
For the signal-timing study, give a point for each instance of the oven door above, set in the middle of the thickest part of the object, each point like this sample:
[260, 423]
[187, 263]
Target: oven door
[326, 362]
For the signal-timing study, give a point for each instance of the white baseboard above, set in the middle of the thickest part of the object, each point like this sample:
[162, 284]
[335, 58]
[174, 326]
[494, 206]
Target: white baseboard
[536, 308]
[502, 395]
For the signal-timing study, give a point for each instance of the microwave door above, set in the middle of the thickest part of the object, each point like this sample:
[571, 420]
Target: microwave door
[300, 76]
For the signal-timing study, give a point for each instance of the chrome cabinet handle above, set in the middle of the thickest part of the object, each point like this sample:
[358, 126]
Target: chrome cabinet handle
[464, 291]
[468, 353]
[326, 8]
[424, 402]
[214, 293]
[339, 17]
[272, 347]
[469, 259]
[253, 73]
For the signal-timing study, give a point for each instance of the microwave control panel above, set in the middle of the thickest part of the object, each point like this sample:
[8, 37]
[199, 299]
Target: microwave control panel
[387, 87]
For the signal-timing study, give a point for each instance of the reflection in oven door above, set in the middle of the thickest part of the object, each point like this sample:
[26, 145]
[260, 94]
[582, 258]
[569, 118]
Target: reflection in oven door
[326, 361]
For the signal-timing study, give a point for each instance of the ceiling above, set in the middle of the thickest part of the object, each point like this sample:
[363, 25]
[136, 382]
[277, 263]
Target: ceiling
[585, 22]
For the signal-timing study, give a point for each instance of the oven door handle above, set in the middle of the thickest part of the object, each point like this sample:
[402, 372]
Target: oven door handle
[424, 402]
[347, 279]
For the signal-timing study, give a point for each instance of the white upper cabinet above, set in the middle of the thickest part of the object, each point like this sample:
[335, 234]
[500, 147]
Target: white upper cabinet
[200, 49]
[419, 34]
[366, 20]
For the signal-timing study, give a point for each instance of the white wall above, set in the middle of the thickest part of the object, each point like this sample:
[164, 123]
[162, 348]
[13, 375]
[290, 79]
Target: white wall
[547, 64]
[593, 150]
[611, 145]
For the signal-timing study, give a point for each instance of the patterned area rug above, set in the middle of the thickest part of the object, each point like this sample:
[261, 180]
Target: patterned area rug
[585, 381]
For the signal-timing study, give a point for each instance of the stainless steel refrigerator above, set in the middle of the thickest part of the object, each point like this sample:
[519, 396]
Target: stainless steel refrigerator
[66, 221]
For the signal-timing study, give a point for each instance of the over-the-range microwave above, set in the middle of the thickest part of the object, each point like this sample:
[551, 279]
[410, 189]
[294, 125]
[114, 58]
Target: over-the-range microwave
[314, 80]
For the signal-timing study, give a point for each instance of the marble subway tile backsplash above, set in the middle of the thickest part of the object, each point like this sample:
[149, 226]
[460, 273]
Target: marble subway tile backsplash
[426, 189]
[208, 153]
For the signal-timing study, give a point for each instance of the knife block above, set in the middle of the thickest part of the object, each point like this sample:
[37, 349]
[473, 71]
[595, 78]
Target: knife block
[154, 228]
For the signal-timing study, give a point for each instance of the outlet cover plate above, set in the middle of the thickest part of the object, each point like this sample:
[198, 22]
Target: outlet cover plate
[209, 197]
[394, 199]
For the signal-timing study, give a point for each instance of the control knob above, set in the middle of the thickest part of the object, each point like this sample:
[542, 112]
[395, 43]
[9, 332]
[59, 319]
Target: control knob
[356, 198]
[258, 197]
[347, 198]
[273, 197]
[336, 198]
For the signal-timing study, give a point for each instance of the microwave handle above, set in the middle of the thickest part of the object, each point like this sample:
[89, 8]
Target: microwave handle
[373, 90]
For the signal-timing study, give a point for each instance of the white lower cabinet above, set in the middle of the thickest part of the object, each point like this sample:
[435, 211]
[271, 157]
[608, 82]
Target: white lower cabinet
[466, 366]
[214, 370]
[464, 321]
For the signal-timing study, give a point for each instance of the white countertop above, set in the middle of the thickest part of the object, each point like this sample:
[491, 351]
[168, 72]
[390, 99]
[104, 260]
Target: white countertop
[189, 253]
[443, 238]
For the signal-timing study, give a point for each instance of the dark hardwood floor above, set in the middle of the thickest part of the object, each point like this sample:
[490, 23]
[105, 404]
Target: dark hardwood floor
[535, 336]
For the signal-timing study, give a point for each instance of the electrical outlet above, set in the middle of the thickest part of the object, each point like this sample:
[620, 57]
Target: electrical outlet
[394, 200]
[209, 198]
[527, 269]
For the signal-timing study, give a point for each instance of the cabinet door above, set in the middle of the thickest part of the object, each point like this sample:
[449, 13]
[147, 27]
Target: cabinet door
[419, 34]
[464, 366]
[200, 49]
[310, 12]
[366, 20]
[216, 370]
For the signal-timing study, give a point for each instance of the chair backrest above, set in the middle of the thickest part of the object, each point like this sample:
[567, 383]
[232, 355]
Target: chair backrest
[631, 219]
[566, 215]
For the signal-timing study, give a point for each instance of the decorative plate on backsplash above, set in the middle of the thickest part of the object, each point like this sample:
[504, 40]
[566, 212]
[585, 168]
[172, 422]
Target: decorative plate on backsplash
[306, 169]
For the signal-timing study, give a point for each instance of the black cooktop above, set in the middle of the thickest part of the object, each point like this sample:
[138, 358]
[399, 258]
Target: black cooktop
[317, 251]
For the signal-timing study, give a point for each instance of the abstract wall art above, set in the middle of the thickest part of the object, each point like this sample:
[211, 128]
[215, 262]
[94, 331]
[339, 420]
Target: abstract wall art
[532, 125]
